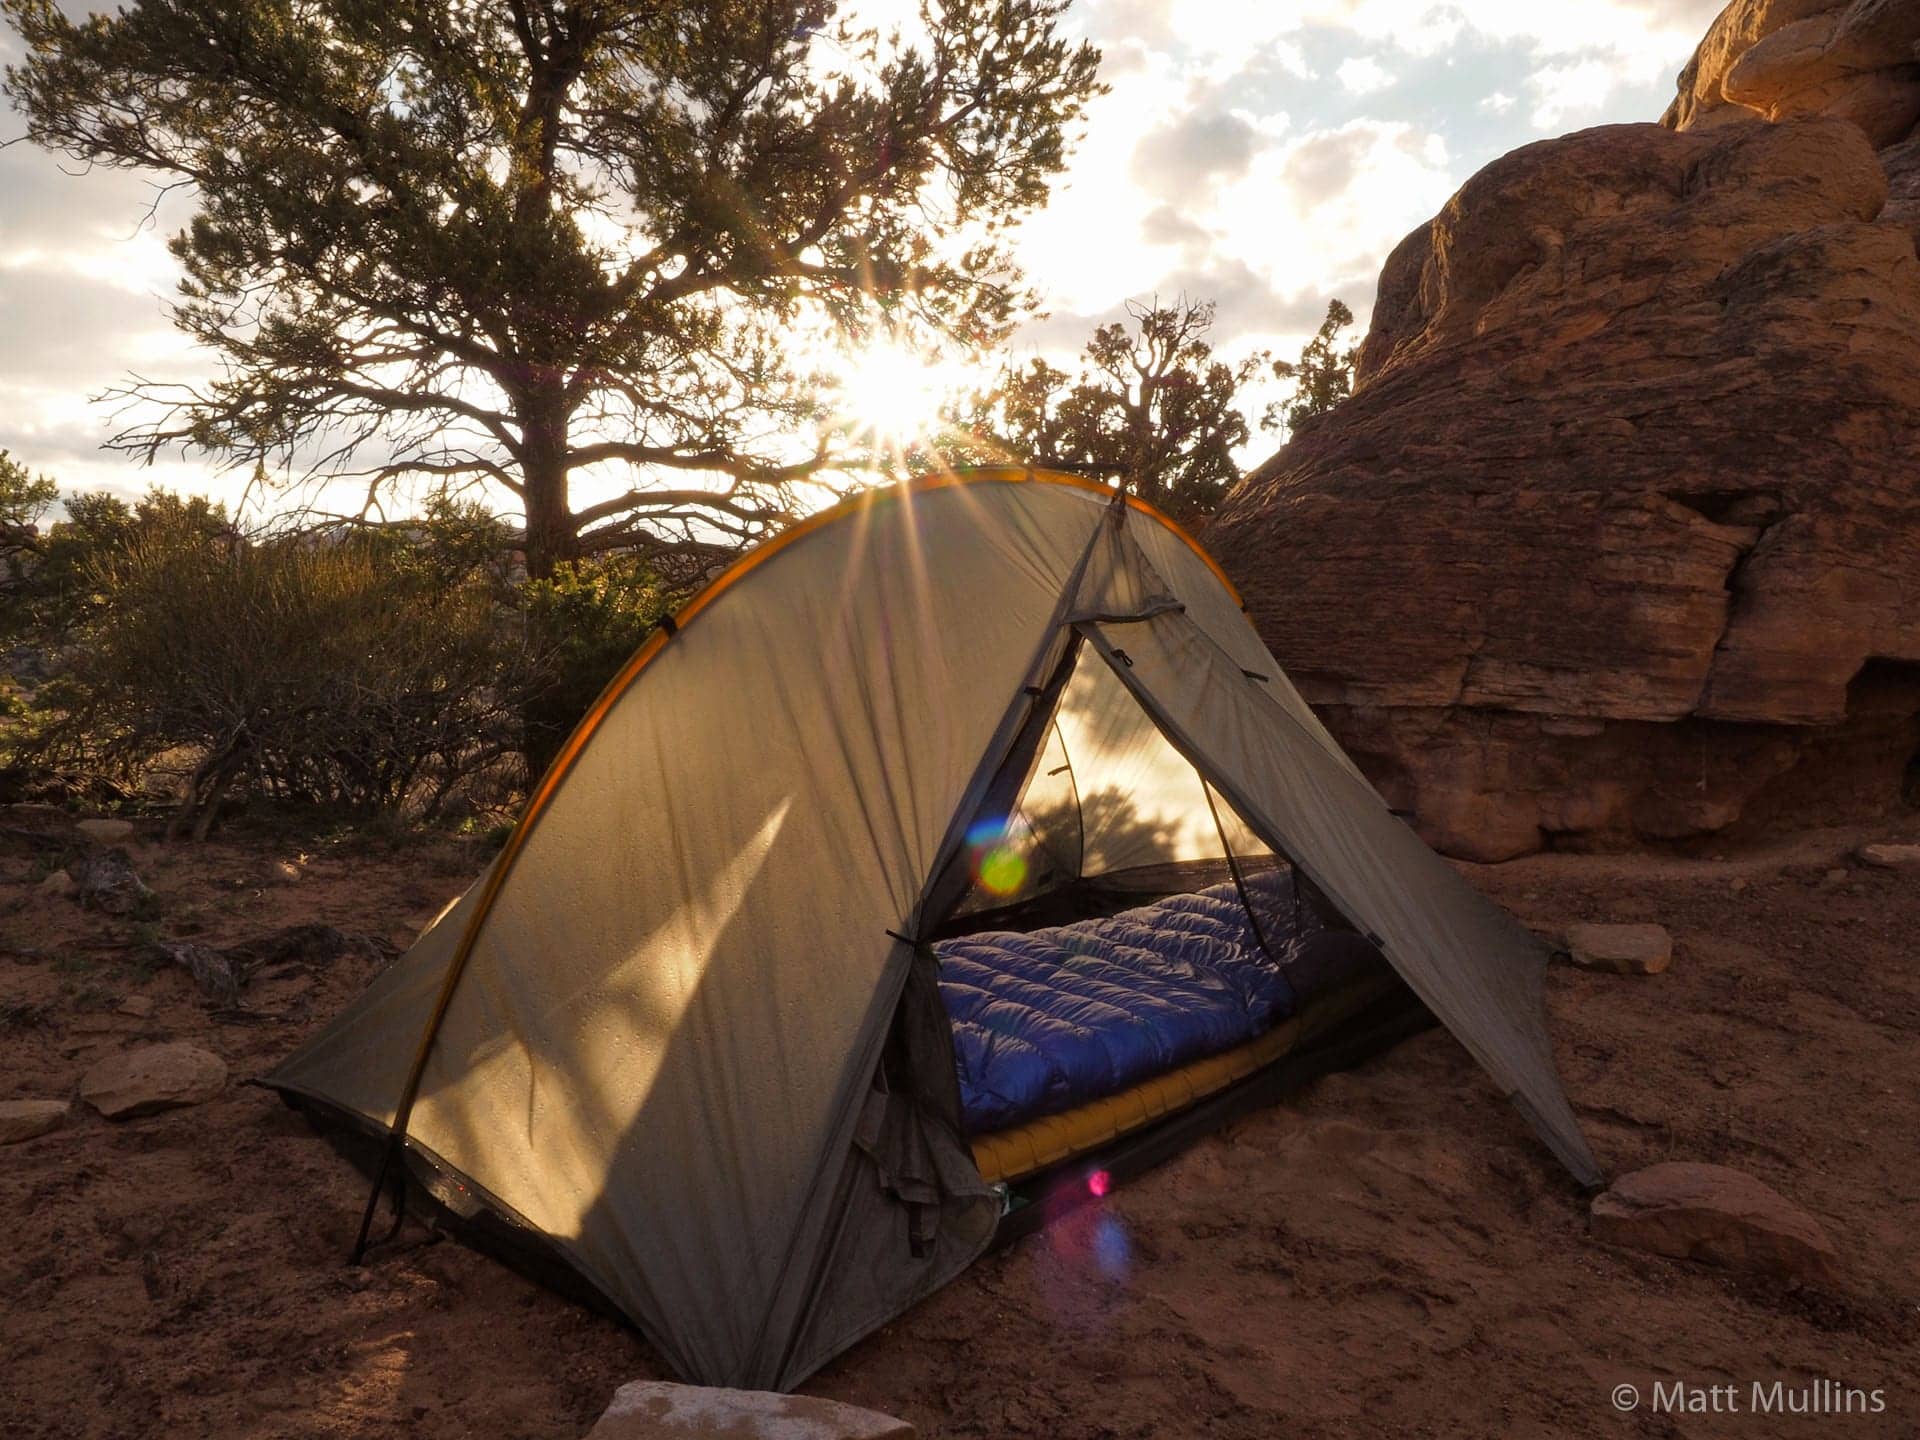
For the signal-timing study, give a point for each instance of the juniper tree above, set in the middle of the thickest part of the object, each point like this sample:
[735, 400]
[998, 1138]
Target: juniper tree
[1149, 402]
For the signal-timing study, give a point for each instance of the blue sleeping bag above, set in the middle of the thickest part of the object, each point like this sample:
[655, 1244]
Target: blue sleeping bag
[1051, 1019]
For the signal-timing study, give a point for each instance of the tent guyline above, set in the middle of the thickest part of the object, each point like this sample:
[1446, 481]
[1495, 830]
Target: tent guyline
[743, 922]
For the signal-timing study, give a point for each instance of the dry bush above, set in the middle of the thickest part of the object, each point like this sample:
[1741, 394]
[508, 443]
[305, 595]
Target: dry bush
[331, 671]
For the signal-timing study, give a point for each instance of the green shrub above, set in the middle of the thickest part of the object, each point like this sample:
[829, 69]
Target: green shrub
[581, 625]
[399, 669]
[327, 671]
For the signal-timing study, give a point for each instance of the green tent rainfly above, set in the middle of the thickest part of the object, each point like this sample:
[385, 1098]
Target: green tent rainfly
[686, 1035]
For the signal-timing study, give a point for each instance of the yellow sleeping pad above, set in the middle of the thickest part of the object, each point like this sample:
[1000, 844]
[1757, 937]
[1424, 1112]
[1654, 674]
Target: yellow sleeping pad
[1024, 1150]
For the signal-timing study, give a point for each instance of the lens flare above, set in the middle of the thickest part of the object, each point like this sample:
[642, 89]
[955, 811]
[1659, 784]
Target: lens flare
[1112, 1253]
[1091, 1239]
[1098, 1183]
[892, 394]
[995, 855]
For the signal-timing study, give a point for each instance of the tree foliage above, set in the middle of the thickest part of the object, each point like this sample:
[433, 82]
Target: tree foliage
[46, 588]
[1149, 402]
[541, 242]
[1323, 375]
[24, 499]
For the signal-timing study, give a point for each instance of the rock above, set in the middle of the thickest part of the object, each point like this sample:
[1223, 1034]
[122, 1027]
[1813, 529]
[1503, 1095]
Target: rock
[59, 885]
[137, 1006]
[1613, 540]
[1737, 885]
[1853, 59]
[217, 974]
[655, 1410]
[106, 832]
[223, 974]
[1625, 949]
[24, 1119]
[1711, 1213]
[1835, 876]
[152, 1078]
[1889, 857]
[107, 882]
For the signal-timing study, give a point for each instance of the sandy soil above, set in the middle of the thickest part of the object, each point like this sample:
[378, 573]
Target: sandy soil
[1390, 1254]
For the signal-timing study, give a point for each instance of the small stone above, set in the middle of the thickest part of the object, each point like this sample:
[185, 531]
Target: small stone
[1625, 949]
[106, 832]
[24, 1119]
[108, 883]
[286, 871]
[1737, 885]
[152, 1078]
[1889, 857]
[1835, 876]
[1714, 1214]
[59, 886]
[656, 1410]
[138, 1006]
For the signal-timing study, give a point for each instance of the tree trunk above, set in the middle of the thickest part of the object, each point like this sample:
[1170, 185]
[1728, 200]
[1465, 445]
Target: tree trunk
[551, 539]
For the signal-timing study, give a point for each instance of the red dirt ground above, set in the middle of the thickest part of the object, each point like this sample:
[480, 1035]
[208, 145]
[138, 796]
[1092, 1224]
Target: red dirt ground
[1388, 1254]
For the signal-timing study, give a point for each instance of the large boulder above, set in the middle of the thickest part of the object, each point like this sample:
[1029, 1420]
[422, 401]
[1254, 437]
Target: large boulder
[1855, 59]
[1711, 1213]
[1617, 537]
[658, 1410]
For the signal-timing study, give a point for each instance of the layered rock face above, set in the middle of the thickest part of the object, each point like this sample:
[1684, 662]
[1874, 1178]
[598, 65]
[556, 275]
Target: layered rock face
[1854, 59]
[1857, 60]
[1619, 536]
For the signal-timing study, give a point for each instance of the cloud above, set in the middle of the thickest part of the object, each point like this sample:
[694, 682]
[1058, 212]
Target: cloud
[1499, 102]
[59, 328]
[1185, 159]
[1363, 75]
[1163, 225]
[1324, 165]
[1580, 88]
[1248, 303]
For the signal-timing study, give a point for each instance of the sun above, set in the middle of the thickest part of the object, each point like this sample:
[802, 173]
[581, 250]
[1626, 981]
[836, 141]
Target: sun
[893, 395]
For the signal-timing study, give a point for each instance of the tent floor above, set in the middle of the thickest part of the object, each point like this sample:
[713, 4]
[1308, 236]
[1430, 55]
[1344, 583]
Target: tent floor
[1378, 1018]
[1037, 1144]
[1347, 1027]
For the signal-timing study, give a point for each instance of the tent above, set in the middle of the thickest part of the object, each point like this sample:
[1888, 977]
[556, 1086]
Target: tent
[687, 1033]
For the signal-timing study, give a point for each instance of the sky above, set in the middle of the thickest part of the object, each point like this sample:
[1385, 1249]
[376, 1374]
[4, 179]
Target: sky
[1264, 157]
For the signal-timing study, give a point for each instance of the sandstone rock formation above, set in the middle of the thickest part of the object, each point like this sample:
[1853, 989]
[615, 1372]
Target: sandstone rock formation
[1855, 59]
[1619, 535]
[1711, 1213]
